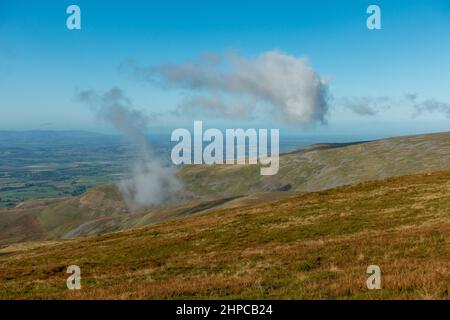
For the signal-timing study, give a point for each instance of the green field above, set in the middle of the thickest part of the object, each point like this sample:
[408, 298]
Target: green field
[36, 165]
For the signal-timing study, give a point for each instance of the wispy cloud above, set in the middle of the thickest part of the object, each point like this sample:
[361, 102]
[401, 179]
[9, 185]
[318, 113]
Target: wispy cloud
[370, 106]
[233, 86]
[430, 105]
[151, 182]
[365, 106]
[284, 86]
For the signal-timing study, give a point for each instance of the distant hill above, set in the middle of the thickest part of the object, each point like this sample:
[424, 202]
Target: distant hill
[49, 137]
[325, 166]
[314, 168]
[305, 246]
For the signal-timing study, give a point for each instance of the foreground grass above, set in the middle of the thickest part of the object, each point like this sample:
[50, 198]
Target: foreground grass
[310, 246]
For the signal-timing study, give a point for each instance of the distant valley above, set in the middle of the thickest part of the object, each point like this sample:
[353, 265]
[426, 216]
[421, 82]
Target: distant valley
[318, 167]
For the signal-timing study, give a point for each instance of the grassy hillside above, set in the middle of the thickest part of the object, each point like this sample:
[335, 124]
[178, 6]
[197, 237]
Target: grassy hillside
[318, 167]
[325, 166]
[314, 245]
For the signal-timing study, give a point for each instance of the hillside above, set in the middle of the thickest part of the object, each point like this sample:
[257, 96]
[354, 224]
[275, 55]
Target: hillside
[314, 168]
[314, 245]
[325, 166]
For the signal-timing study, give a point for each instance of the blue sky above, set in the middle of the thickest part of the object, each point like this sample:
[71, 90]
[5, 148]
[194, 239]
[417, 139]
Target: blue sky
[43, 64]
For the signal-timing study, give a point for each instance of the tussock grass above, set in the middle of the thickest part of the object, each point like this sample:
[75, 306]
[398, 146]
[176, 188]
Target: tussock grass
[306, 246]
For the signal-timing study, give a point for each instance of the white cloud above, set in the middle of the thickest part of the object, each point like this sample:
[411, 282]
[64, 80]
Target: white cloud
[234, 86]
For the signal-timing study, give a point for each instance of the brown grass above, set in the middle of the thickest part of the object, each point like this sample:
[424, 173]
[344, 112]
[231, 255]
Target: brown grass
[310, 246]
